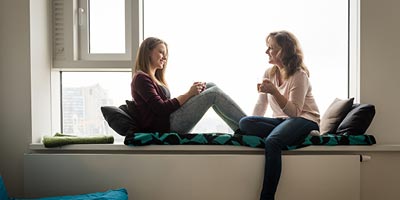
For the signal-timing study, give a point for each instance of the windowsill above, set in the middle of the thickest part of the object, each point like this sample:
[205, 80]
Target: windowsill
[204, 149]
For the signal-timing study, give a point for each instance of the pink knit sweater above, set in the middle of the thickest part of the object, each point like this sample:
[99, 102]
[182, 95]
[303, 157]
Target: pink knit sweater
[298, 91]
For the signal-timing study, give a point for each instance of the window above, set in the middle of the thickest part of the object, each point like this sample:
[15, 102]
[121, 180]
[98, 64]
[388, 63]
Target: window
[214, 41]
[104, 30]
[92, 58]
[107, 27]
[95, 34]
[83, 93]
[224, 42]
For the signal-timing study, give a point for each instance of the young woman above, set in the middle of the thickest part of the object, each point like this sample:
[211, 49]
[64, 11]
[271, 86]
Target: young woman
[287, 89]
[157, 111]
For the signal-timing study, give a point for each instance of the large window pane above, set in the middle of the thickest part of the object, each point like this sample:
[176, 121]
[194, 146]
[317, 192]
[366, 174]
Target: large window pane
[223, 41]
[83, 93]
[107, 26]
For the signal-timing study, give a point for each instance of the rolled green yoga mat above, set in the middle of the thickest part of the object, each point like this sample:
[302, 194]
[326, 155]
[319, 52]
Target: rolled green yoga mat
[60, 139]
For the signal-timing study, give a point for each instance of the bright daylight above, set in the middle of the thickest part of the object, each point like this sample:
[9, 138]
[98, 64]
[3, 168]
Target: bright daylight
[224, 42]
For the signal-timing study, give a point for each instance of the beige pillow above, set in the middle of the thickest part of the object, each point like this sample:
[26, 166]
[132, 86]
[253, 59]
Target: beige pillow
[335, 113]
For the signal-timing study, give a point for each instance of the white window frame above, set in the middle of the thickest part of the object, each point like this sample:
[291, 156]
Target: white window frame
[64, 57]
[354, 50]
[84, 43]
[70, 37]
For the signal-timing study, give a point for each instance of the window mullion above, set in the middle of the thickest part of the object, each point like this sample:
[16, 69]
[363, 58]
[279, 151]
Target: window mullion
[83, 27]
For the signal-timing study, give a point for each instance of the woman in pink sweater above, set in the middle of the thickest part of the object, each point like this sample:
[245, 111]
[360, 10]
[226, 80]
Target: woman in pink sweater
[287, 89]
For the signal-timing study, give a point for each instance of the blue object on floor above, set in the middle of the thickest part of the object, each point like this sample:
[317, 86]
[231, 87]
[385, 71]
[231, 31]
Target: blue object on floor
[118, 194]
[3, 191]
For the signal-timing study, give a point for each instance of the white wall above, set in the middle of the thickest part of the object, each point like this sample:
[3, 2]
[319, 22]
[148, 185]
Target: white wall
[379, 85]
[380, 66]
[15, 91]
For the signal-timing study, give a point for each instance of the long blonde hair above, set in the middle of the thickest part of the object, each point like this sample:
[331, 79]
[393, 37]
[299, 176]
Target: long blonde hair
[143, 59]
[290, 53]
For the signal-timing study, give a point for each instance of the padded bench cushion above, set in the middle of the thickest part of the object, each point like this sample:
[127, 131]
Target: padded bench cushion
[141, 139]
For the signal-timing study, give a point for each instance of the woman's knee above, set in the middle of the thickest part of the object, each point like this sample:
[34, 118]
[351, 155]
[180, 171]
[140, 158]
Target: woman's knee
[213, 91]
[249, 125]
[273, 144]
[244, 123]
[210, 84]
[211, 87]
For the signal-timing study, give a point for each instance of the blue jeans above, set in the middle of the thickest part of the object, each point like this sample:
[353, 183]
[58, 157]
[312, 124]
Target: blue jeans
[189, 114]
[278, 134]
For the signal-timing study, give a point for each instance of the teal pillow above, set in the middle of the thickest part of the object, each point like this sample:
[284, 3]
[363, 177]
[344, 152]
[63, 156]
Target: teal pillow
[119, 194]
[3, 191]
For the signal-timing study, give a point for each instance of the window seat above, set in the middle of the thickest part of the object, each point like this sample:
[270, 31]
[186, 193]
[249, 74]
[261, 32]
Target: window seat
[224, 139]
[120, 148]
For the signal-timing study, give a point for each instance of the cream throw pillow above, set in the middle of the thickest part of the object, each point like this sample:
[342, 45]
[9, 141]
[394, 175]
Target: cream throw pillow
[335, 113]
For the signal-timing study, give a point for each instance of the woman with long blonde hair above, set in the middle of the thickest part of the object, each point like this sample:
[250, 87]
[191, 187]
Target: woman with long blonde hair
[155, 109]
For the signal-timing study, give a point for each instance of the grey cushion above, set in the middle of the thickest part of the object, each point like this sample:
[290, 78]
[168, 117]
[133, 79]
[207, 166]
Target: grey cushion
[335, 113]
[120, 121]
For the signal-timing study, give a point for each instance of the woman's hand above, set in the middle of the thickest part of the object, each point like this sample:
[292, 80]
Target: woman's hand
[201, 86]
[197, 88]
[194, 90]
[267, 87]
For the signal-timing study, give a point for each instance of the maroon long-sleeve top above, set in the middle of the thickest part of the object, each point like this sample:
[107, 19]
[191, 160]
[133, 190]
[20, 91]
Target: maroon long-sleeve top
[153, 105]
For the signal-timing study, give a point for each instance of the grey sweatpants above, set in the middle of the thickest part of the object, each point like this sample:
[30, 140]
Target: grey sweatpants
[189, 114]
